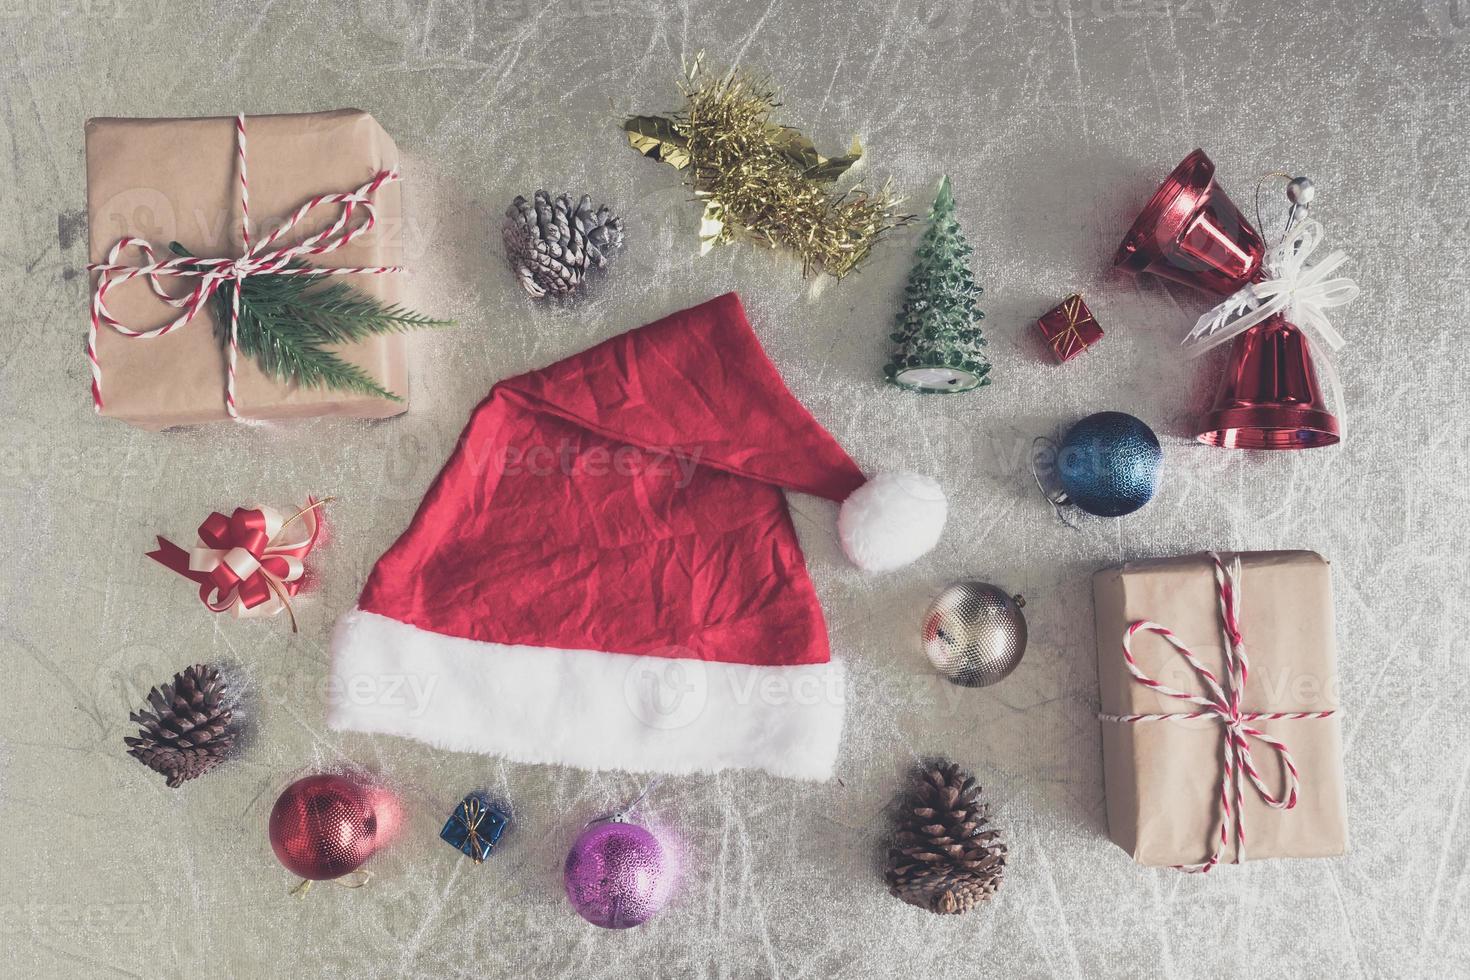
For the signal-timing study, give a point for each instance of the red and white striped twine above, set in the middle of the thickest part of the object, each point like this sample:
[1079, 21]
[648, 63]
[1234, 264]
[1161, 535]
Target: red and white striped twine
[258, 260]
[1222, 703]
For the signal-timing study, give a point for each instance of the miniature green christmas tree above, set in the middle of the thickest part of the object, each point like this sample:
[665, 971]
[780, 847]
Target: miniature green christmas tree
[940, 348]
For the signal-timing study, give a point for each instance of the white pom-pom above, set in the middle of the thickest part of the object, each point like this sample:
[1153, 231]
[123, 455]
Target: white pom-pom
[891, 520]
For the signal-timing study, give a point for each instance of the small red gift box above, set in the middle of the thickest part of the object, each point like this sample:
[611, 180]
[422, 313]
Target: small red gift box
[1069, 328]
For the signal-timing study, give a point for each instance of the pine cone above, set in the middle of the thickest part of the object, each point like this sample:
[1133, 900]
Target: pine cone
[946, 857]
[188, 732]
[552, 244]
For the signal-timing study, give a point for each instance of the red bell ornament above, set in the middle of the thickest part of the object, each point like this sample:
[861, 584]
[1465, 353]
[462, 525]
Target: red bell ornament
[1191, 232]
[1269, 397]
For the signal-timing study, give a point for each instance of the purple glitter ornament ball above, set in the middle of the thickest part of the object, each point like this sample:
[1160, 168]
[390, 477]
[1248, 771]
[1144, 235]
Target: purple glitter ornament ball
[618, 875]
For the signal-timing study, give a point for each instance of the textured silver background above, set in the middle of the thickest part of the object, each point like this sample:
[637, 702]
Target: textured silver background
[1055, 118]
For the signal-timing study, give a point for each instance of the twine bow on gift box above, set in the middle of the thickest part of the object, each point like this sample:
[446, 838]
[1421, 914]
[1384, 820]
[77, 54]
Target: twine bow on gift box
[1222, 704]
[249, 563]
[260, 259]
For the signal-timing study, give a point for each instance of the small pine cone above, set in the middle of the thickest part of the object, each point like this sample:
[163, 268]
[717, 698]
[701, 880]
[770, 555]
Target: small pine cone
[188, 731]
[946, 857]
[552, 243]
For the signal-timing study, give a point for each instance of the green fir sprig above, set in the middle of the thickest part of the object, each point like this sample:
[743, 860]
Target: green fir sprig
[287, 324]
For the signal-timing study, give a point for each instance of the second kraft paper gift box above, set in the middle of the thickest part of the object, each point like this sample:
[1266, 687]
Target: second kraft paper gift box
[165, 180]
[1163, 778]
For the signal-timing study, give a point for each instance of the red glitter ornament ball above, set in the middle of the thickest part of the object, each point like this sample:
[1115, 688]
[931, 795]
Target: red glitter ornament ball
[326, 826]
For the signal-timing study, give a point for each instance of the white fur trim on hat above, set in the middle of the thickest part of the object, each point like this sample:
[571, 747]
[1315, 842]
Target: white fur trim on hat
[585, 708]
[891, 520]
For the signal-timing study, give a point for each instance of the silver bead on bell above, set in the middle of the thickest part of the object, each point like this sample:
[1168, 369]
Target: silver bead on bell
[974, 633]
[1300, 192]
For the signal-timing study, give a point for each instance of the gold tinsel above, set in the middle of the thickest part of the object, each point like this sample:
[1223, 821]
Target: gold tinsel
[761, 179]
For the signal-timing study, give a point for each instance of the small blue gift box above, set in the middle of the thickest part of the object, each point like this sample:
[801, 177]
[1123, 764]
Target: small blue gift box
[475, 826]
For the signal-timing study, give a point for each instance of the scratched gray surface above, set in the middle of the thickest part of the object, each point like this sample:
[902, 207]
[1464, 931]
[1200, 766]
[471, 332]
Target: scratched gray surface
[1055, 118]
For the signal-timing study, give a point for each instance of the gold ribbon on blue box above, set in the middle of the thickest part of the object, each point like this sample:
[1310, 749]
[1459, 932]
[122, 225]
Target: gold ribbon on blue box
[475, 826]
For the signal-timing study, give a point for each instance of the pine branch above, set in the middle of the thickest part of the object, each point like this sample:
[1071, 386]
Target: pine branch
[288, 322]
[340, 314]
[289, 354]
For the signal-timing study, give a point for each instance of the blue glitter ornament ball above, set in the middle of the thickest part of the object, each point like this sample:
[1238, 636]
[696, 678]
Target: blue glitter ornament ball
[1109, 464]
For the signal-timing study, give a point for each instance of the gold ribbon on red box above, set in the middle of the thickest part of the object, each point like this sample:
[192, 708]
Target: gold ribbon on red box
[1069, 341]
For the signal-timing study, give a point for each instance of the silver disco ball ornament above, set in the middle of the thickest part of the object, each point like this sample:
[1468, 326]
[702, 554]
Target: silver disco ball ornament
[974, 633]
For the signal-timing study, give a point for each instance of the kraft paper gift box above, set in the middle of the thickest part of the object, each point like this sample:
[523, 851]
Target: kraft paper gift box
[166, 180]
[1163, 778]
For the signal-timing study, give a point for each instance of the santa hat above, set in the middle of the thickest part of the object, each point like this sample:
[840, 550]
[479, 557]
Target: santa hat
[605, 574]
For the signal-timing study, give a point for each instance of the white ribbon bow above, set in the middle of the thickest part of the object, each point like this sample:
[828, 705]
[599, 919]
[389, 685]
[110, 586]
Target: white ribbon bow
[1302, 292]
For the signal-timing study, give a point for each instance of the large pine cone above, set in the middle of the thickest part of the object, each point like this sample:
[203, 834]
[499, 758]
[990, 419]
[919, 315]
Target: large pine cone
[188, 731]
[551, 244]
[946, 857]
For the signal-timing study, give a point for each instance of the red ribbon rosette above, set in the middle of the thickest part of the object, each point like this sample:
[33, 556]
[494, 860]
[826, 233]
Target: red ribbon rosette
[249, 563]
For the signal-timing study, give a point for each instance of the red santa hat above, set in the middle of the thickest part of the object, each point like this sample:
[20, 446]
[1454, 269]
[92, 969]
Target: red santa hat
[605, 574]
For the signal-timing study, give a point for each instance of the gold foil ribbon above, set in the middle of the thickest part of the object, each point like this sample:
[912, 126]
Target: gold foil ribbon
[760, 179]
